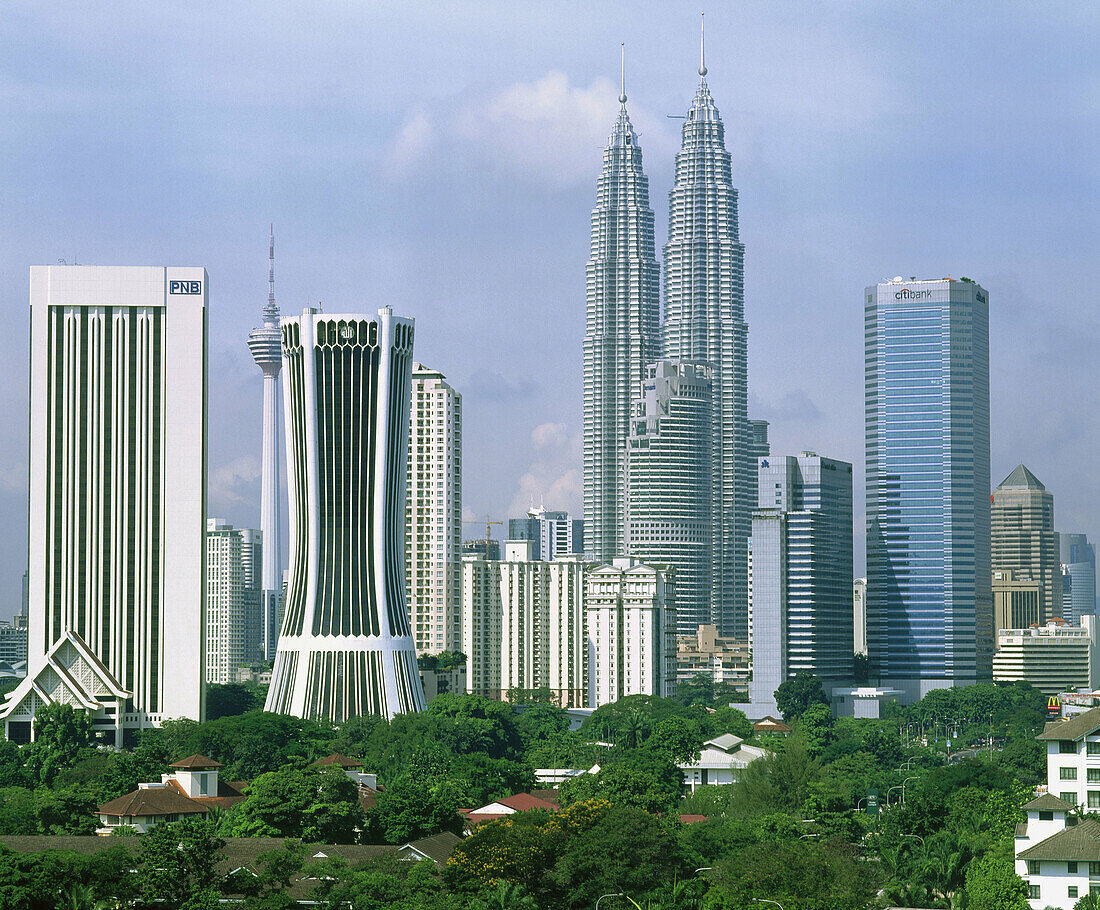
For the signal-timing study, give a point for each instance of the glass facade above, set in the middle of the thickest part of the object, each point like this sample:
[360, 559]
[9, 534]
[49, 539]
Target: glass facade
[929, 608]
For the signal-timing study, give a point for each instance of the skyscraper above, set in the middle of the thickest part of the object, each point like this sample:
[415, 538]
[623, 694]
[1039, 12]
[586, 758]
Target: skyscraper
[704, 322]
[232, 600]
[622, 335]
[554, 534]
[346, 647]
[433, 513]
[1023, 539]
[1078, 558]
[117, 494]
[929, 609]
[801, 574]
[669, 480]
[264, 343]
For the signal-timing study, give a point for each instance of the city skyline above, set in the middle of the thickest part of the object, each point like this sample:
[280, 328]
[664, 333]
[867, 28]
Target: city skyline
[835, 195]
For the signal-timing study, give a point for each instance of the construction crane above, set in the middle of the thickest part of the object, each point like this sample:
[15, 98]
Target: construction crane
[488, 522]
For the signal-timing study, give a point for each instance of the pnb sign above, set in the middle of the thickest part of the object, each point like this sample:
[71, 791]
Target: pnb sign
[184, 287]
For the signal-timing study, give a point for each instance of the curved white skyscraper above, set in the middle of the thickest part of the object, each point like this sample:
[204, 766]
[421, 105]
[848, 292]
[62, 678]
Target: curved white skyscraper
[264, 343]
[704, 322]
[346, 647]
[622, 335]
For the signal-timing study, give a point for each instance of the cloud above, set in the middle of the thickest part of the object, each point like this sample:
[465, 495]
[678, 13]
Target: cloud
[795, 405]
[415, 138]
[233, 484]
[13, 477]
[554, 477]
[490, 386]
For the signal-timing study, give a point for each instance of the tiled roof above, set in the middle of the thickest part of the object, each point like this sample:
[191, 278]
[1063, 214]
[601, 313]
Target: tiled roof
[692, 819]
[166, 800]
[524, 802]
[1077, 843]
[1047, 801]
[197, 763]
[1076, 727]
[340, 761]
[438, 847]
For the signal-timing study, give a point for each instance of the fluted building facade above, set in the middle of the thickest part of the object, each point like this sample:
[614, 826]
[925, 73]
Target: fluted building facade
[346, 647]
[622, 333]
[669, 484]
[704, 322]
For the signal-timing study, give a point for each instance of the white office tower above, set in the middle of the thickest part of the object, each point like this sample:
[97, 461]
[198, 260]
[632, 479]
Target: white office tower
[117, 495]
[622, 334]
[345, 647]
[523, 625]
[433, 513]
[669, 484]
[630, 614]
[233, 620]
[705, 322]
[264, 343]
[553, 534]
[801, 575]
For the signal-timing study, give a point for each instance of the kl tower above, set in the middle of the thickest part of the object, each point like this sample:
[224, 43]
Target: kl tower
[265, 343]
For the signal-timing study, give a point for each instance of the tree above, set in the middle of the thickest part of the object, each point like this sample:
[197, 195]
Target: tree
[815, 726]
[413, 807]
[315, 804]
[731, 720]
[232, 699]
[644, 780]
[18, 814]
[676, 739]
[62, 735]
[795, 695]
[179, 864]
[992, 883]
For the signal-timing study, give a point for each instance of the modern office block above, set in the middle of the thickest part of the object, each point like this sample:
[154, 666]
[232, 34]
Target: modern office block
[1053, 657]
[622, 334]
[1078, 558]
[669, 485]
[929, 611]
[523, 625]
[554, 534]
[1017, 600]
[117, 495]
[234, 619]
[433, 513]
[760, 448]
[346, 647]
[859, 616]
[705, 323]
[801, 575]
[485, 547]
[630, 616]
[265, 344]
[1023, 539]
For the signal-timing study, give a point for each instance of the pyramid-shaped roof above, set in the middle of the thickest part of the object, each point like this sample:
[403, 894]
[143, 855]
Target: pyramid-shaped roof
[1021, 479]
[197, 763]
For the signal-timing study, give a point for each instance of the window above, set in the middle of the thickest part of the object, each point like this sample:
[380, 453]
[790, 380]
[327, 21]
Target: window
[1071, 868]
[1071, 891]
[1067, 746]
[1033, 867]
[1094, 870]
[1067, 773]
[1032, 892]
[1094, 775]
[1094, 799]
[1092, 748]
[1068, 797]
[1046, 816]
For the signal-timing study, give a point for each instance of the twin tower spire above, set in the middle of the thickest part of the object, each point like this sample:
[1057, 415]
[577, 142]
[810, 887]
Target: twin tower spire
[703, 333]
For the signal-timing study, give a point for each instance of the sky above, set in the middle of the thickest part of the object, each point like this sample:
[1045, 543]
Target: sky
[441, 158]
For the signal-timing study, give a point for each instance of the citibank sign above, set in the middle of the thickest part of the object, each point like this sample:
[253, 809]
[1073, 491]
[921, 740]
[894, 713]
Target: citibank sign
[906, 294]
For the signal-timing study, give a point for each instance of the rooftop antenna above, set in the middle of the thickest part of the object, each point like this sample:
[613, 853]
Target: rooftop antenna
[622, 73]
[702, 45]
[271, 311]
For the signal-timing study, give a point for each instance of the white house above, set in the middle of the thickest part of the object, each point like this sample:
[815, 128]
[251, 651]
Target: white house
[721, 761]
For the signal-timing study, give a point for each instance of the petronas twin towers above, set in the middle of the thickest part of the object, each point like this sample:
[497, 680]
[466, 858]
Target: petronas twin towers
[648, 386]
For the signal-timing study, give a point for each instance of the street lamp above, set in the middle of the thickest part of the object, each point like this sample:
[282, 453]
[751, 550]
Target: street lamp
[903, 783]
[703, 869]
[891, 790]
[602, 896]
[764, 900]
[917, 836]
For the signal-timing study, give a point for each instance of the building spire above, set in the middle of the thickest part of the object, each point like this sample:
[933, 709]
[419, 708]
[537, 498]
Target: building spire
[271, 311]
[702, 45]
[622, 73]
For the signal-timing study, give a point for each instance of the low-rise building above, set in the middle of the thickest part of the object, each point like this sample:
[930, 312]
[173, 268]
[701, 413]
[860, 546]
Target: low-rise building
[723, 660]
[1053, 658]
[720, 762]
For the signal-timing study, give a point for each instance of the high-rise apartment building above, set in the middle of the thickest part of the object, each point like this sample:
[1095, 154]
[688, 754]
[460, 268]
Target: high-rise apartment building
[234, 620]
[705, 323]
[1023, 539]
[117, 495]
[346, 647]
[929, 611]
[265, 344]
[1017, 602]
[760, 448]
[669, 483]
[630, 618]
[552, 534]
[523, 625]
[1078, 558]
[433, 513]
[622, 334]
[801, 574]
[859, 616]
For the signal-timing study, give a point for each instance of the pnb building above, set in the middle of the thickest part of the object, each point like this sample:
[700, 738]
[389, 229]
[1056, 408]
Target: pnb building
[346, 647]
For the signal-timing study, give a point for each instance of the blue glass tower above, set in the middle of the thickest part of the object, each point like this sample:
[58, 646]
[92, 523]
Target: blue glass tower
[929, 606]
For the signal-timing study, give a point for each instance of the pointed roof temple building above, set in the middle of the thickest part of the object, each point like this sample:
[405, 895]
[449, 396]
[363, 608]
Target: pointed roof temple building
[623, 333]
